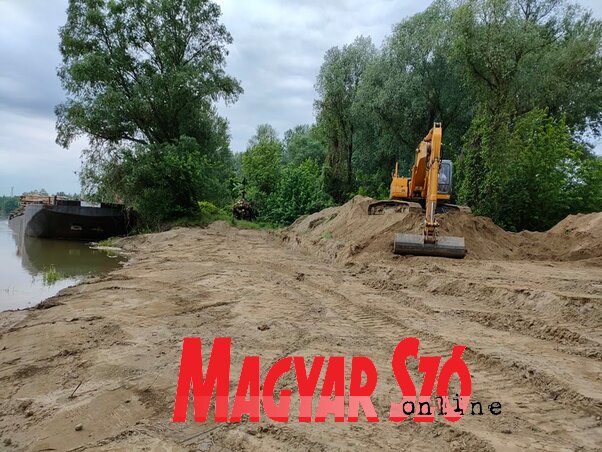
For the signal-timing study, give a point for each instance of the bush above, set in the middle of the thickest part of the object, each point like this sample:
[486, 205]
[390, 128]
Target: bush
[8, 204]
[298, 193]
[261, 166]
[209, 212]
[165, 182]
[208, 209]
[527, 173]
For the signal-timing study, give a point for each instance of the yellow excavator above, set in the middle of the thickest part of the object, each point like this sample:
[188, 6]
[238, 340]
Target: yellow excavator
[428, 189]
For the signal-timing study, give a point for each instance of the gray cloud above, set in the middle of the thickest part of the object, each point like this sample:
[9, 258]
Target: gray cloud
[279, 47]
[277, 52]
[29, 90]
[29, 55]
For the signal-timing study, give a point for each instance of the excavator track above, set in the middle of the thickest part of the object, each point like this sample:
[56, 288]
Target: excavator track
[393, 205]
[444, 207]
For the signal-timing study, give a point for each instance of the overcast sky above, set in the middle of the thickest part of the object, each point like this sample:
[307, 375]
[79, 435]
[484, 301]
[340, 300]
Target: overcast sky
[277, 52]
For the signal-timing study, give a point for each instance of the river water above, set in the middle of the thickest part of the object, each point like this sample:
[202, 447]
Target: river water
[32, 270]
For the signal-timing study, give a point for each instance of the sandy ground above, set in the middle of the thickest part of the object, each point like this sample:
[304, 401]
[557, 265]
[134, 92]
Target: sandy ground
[107, 355]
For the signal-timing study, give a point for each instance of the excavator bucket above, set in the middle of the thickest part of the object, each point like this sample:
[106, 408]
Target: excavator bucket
[414, 244]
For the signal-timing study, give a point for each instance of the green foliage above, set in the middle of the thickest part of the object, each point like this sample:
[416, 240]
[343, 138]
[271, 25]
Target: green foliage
[519, 55]
[51, 276]
[372, 186]
[337, 86]
[410, 85]
[530, 66]
[141, 79]
[208, 209]
[299, 193]
[526, 174]
[303, 143]
[107, 243]
[163, 182]
[141, 71]
[261, 170]
[209, 213]
[257, 225]
[281, 187]
[585, 181]
[265, 134]
[8, 204]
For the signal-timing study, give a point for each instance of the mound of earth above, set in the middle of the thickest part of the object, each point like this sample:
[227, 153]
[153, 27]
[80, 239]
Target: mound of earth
[348, 233]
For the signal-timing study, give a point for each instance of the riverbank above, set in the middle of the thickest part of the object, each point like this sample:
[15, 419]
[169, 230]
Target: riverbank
[98, 367]
[34, 269]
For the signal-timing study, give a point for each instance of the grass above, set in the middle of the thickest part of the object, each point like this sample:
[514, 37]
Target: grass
[209, 214]
[108, 243]
[144, 230]
[327, 235]
[51, 276]
[244, 224]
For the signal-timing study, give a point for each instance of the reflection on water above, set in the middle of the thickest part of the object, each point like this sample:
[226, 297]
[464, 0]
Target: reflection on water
[26, 263]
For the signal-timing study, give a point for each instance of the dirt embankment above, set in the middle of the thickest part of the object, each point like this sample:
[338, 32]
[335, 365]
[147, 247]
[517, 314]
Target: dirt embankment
[97, 369]
[348, 233]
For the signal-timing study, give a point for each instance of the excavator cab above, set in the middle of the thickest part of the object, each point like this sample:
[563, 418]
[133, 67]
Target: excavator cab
[446, 172]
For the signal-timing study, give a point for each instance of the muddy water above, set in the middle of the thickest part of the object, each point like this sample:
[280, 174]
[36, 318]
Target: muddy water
[32, 270]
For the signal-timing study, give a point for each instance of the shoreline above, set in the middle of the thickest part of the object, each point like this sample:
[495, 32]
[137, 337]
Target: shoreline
[61, 258]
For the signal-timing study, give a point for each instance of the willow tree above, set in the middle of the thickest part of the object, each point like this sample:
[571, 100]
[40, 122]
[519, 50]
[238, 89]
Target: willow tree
[411, 84]
[518, 55]
[140, 77]
[337, 85]
[534, 67]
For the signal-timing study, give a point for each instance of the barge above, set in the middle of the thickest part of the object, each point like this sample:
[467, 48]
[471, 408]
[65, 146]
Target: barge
[53, 217]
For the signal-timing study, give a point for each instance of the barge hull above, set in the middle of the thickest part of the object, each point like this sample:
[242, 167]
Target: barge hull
[71, 222]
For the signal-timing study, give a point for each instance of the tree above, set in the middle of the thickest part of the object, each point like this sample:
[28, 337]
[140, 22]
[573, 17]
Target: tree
[261, 165]
[410, 85]
[304, 142]
[265, 134]
[8, 204]
[283, 179]
[527, 174]
[299, 192]
[162, 180]
[143, 73]
[337, 85]
[585, 181]
[518, 55]
[522, 167]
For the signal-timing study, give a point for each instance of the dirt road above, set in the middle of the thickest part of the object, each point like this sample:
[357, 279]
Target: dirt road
[107, 357]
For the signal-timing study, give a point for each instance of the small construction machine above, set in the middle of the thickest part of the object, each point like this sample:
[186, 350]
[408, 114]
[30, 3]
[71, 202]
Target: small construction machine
[428, 189]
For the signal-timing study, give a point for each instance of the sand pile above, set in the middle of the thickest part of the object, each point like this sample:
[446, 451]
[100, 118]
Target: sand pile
[574, 238]
[348, 233]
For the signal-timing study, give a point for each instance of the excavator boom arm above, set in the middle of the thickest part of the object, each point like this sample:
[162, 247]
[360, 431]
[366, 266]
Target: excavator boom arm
[431, 183]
